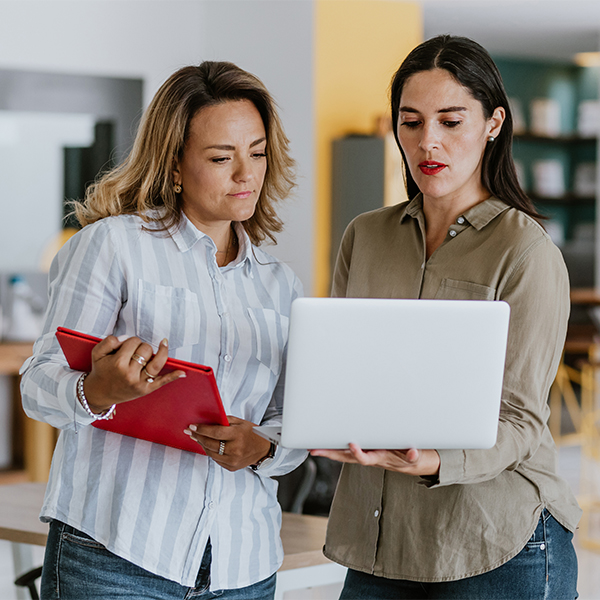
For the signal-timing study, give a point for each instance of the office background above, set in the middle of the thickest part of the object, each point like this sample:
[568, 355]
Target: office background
[68, 65]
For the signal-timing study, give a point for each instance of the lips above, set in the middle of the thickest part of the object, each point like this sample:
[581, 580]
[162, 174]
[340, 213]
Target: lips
[242, 195]
[431, 167]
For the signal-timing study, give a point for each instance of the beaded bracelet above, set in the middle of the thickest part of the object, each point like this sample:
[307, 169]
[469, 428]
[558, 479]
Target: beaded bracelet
[107, 414]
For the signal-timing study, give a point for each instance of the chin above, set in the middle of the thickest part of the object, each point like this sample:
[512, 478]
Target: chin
[244, 215]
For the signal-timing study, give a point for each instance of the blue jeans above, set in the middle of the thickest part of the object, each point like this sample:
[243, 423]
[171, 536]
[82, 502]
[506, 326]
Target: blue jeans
[546, 569]
[76, 567]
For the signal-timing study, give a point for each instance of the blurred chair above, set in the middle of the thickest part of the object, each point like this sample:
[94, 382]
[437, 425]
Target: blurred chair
[28, 581]
[575, 386]
[589, 482]
[295, 487]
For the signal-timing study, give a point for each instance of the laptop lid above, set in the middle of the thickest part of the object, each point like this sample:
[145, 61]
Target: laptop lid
[394, 373]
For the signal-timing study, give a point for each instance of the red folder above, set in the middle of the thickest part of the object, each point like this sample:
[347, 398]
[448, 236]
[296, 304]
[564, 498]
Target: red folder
[160, 416]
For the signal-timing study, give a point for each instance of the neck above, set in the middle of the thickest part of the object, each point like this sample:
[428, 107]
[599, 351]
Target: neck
[226, 253]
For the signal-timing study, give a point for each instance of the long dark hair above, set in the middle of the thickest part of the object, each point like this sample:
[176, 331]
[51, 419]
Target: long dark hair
[473, 68]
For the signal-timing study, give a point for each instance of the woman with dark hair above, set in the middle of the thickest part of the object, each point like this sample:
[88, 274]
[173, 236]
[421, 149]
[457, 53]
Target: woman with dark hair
[168, 264]
[426, 523]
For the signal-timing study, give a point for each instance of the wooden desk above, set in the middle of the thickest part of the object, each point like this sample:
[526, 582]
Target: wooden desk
[37, 439]
[303, 537]
[13, 355]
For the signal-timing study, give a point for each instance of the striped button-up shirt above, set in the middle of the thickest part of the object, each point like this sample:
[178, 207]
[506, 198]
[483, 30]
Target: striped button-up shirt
[150, 504]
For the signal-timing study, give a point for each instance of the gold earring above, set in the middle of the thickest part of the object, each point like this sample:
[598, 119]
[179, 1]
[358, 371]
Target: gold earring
[177, 188]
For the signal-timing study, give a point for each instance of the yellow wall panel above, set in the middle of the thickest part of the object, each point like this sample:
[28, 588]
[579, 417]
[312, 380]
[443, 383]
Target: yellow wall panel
[358, 46]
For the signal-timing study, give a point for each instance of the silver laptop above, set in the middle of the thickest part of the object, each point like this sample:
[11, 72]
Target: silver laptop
[393, 374]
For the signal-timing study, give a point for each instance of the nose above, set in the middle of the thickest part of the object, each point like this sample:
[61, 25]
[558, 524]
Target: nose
[429, 137]
[243, 171]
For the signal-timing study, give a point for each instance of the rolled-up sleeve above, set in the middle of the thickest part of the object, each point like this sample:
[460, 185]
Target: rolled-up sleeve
[84, 294]
[537, 291]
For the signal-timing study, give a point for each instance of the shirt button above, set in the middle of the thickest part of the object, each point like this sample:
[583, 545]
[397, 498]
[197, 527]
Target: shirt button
[211, 505]
[542, 546]
[460, 220]
[376, 513]
[452, 233]
[227, 358]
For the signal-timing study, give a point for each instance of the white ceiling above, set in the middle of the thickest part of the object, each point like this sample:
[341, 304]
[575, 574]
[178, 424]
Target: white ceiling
[552, 29]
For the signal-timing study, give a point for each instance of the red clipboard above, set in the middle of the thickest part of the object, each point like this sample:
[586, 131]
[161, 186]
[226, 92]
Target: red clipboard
[160, 416]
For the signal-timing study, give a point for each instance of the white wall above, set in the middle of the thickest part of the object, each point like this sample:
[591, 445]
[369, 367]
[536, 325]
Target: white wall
[150, 39]
[274, 40]
[31, 163]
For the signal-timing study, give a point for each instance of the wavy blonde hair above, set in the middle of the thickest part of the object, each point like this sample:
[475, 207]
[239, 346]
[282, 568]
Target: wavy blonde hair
[144, 181]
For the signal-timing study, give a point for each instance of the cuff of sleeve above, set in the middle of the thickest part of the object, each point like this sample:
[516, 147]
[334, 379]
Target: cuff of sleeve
[452, 466]
[271, 468]
[67, 390]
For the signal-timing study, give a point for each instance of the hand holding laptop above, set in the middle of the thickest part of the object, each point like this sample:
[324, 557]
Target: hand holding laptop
[411, 461]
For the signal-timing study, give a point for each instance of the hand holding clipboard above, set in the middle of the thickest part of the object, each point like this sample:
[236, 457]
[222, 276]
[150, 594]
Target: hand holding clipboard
[160, 416]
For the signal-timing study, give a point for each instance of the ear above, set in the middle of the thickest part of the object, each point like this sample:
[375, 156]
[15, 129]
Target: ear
[176, 173]
[495, 121]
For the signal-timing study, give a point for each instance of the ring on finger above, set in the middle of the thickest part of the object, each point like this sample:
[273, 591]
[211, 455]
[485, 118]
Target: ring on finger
[149, 378]
[139, 359]
[221, 448]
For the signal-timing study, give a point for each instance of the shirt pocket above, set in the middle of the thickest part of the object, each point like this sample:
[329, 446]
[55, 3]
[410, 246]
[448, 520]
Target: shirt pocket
[270, 336]
[455, 289]
[167, 312]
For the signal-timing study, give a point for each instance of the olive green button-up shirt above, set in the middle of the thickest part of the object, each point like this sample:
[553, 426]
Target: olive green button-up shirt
[486, 504]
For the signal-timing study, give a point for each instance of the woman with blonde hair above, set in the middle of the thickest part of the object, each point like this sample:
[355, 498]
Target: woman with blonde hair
[168, 264]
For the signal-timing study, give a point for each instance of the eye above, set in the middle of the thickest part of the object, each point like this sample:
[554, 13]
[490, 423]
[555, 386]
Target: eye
[410, 124]
[220, 160]
[259, 155]
[451, 123]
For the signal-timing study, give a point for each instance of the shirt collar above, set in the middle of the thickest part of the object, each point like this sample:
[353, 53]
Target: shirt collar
[186, 235]
[478, 216]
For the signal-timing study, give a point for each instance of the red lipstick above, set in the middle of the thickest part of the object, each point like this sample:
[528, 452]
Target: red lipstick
[431, 167]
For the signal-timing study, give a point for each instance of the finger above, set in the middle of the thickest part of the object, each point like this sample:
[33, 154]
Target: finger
[105, 347]
[412, 455]
[211, 442]
[128, 348]
[214, 432]
[211, 446]
[364, 458]
[337, 455]
[157, 362]
[196, 438]
[145, 351]
[158, 382]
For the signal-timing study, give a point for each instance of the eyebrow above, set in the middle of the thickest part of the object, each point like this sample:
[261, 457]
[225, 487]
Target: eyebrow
[442, 110]
[231, 148]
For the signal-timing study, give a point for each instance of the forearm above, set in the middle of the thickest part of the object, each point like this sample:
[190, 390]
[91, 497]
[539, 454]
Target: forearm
[513, 447]
[48, 387]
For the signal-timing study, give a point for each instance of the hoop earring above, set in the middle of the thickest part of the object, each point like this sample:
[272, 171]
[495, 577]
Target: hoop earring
[491, 138]
[177, 188]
